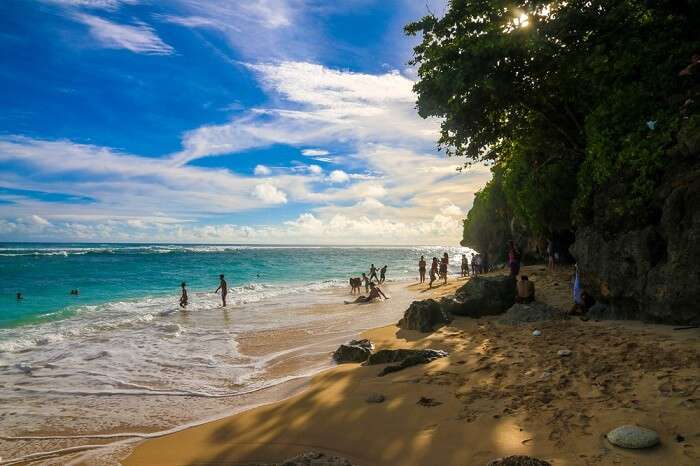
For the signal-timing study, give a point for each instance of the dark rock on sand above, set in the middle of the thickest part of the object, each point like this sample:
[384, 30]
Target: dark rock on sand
[518, 461]
[630, 436]
[649, 273]
[355, 351]
[483, 296]
[405, 358]
[424, 316]
[313, 459]
[428, 402]
[375, 398]
[532, 312]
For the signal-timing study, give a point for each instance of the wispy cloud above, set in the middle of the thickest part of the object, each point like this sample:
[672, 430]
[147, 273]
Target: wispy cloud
[138, 38]
[323, 106]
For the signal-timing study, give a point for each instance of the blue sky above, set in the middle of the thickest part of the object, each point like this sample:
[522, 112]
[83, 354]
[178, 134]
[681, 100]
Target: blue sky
[270, 121]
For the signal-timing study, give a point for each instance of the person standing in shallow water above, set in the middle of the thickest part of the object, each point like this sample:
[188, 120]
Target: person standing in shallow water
[223, 286]
[183, 297]
[373, 273]
[382, 274]
[421, 269]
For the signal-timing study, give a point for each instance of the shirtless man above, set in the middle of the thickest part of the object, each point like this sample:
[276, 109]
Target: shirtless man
[525, 290]
[183, 298]
[223, 286]
[373, 273]
[374, 293]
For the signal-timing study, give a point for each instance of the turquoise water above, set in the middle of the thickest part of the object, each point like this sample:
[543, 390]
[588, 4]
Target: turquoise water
[45, 273]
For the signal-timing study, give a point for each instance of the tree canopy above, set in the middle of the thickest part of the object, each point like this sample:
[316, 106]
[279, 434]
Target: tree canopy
[566, 98]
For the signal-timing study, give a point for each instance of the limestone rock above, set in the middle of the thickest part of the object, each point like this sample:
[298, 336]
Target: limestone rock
[532, 312]
[424, 316]
[483, 296]
[518, 461]
[630, 436]
[355, 351]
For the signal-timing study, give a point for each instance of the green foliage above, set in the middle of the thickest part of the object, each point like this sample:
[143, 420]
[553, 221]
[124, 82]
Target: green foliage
[560, 104]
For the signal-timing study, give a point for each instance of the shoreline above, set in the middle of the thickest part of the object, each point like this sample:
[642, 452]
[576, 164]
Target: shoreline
[497, 393]
[48, 445]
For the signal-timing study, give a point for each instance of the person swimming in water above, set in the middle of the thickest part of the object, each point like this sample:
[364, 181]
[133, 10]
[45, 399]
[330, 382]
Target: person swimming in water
[223, 286]
[374, 293]
[183, 297]
[19, 296]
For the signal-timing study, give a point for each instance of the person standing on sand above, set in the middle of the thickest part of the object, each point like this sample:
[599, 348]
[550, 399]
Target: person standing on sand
[421, 269]
[433, 271]
[465, 265]
[183, 297]
[513, 259]
[382, 274]
[223, 286]
[443, 267]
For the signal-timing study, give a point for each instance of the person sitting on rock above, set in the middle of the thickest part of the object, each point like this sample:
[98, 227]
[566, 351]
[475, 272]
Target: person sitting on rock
[581, 308]
[525, 290]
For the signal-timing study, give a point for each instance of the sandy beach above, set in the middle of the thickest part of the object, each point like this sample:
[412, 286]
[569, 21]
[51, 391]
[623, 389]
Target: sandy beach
[500, 392]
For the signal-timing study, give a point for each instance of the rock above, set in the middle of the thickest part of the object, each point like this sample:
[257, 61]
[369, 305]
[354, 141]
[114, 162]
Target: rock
[630, 436]
[518, 461]
[532, 312]
[536, 333]
[375, 398]
[483, 295]
[424, 316]
[564, 352]
[405, 358]
[355, 351]
[428, 402]
[313, 459]
[649, 273]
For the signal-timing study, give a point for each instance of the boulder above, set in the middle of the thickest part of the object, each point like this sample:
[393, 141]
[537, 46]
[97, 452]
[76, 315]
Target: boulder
[518, 461]
[424, 316]
[531, 312]
[355, 351]
[405, 358]
[630, 436]
[483, 295]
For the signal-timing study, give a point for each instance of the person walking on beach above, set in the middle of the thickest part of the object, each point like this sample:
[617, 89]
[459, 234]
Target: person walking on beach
[550, 256]
[443, 267]
[183, 297]
[465, 265]
[421, 269]
[382, 274]
[373, 273]
[365, 281]
[433, 271]
[223, 286]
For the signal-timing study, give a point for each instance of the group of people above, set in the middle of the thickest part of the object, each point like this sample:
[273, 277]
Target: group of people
[223, 287]
[371, 288]
[438, 269]
[478, 265]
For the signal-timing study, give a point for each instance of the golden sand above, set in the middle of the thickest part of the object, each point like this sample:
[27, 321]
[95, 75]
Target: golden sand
[500, 392]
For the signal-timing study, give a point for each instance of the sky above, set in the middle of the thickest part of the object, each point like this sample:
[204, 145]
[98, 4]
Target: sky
[220, 121]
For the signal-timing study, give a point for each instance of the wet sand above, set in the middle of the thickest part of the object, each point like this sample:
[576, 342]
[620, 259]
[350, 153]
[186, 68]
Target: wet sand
[500, 392]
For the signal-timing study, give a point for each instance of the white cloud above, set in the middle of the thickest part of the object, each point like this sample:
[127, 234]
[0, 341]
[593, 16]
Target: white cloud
[262, 170]
[270, 194]
[315, 169]
[338, 176]
[314, 152]
[139, 38]
[96, 4]
[452, 211]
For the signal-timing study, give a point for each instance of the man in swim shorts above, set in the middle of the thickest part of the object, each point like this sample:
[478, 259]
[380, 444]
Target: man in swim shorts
[223, 286]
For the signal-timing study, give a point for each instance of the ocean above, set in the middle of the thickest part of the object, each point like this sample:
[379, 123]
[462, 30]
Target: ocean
[122, 358]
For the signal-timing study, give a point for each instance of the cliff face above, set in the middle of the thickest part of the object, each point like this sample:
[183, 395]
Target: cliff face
[652, 273]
